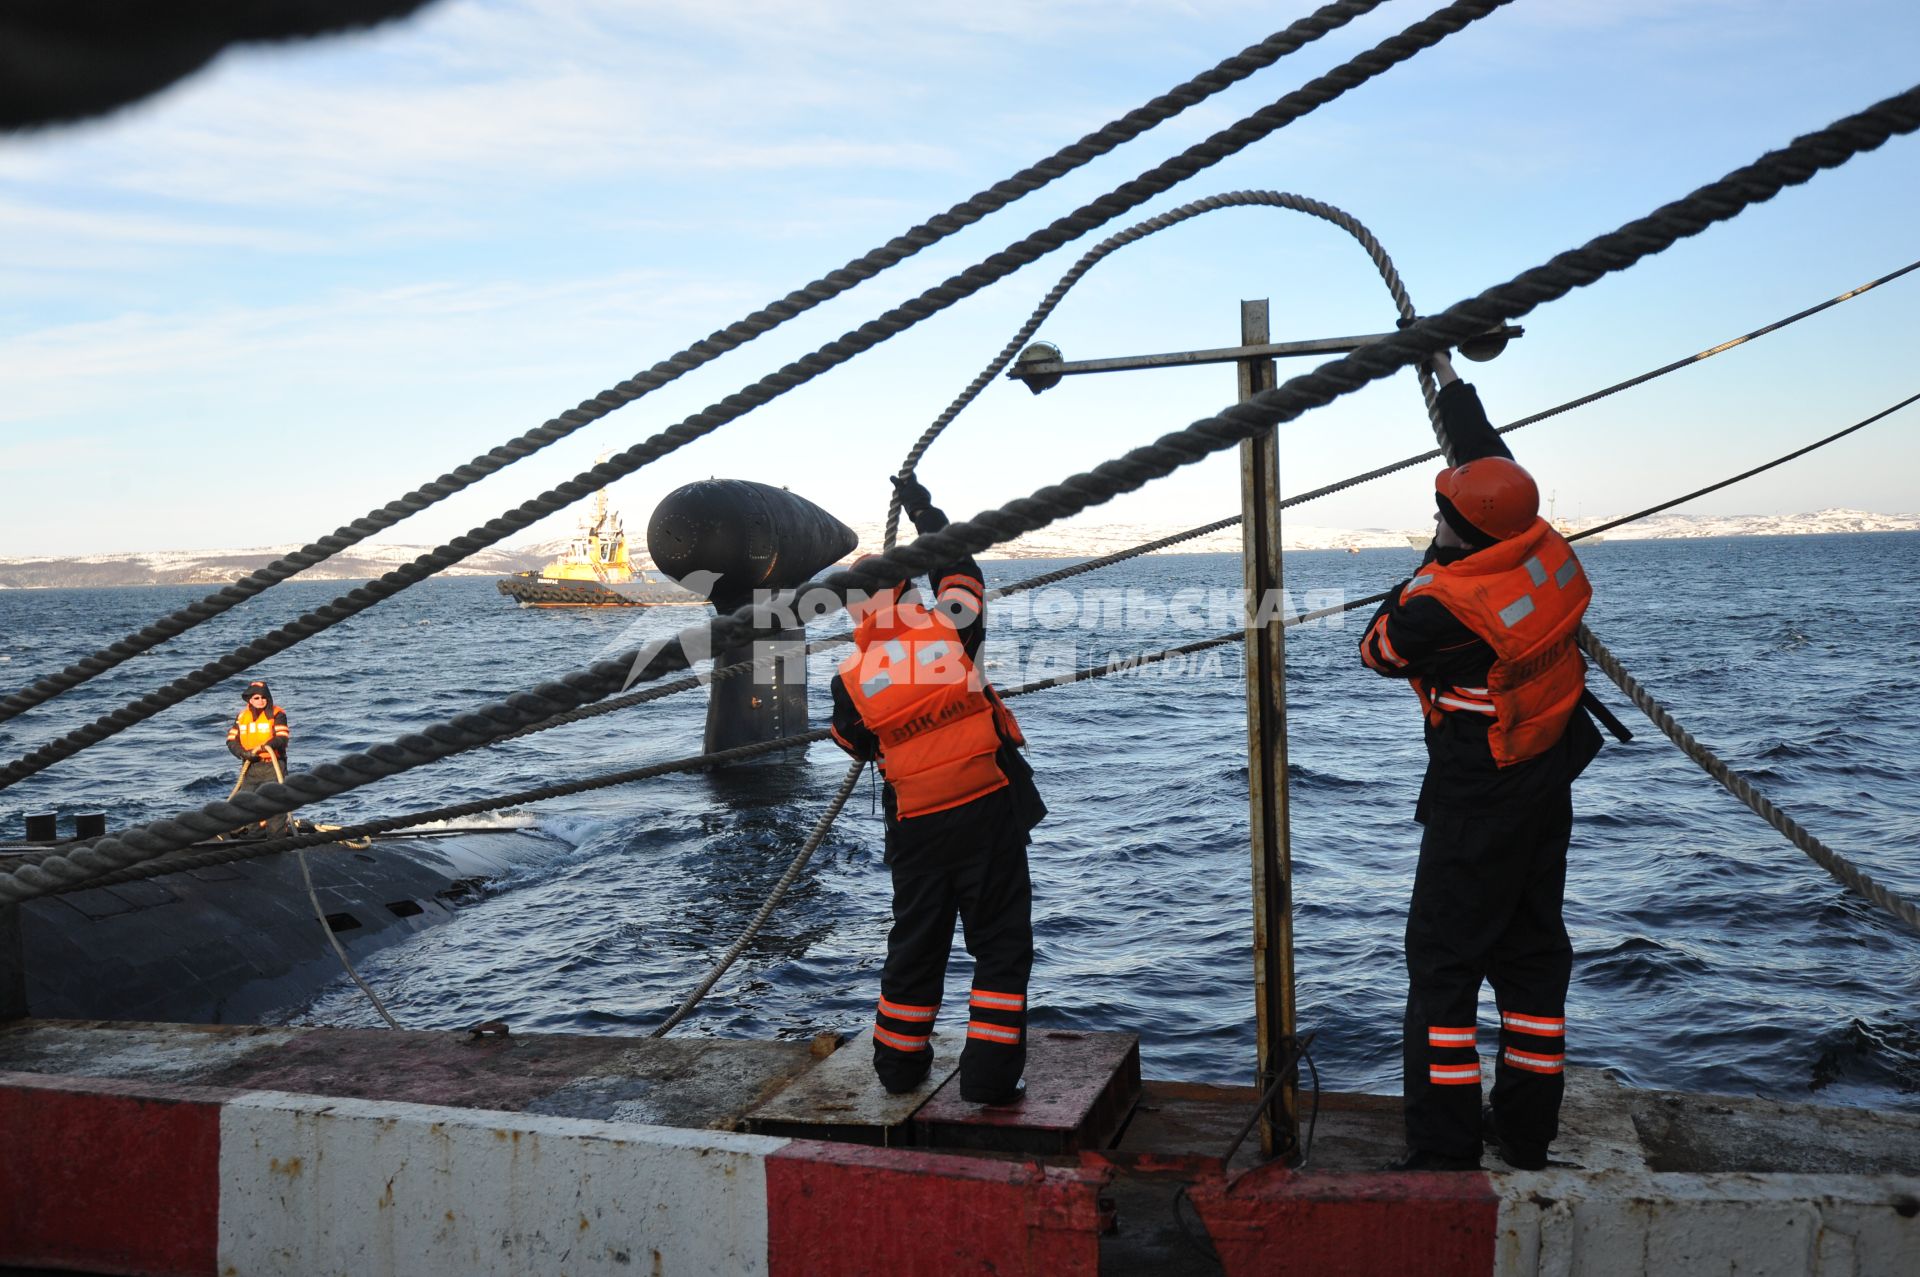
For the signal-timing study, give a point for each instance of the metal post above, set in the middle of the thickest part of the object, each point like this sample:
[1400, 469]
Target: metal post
[1266, 657]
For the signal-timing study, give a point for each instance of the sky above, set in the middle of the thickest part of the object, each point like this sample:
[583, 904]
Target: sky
[311, 277]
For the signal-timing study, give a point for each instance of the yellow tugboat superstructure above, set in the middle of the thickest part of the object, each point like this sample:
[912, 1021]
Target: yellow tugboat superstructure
[596, 570]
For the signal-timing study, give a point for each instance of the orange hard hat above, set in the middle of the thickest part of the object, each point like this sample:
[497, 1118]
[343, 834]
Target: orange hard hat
[1494, 494]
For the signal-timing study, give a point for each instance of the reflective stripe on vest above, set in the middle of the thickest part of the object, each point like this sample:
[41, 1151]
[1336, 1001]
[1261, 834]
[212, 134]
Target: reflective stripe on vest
[254, 732]
[938, 725]
[1524, 598]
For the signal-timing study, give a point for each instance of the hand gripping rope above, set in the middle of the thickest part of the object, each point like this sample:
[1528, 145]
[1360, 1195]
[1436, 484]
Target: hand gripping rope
[1796, 163]
[1132, 125]
[1391, 52]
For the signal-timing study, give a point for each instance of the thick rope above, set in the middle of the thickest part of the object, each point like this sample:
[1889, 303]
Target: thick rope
[1130, 126]
[1391, 52]
[1847, 873]
[1581, 402]
[1616, 251]
[1829, 859]
[1133, 234]
[339, 950]
[773, 900]
[181, 861]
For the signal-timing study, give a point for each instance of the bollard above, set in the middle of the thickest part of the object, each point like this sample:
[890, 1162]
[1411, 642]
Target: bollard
[44, 827]
[91, 824]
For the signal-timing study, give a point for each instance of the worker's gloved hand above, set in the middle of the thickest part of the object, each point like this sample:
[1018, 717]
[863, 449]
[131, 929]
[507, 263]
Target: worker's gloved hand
[918, 503]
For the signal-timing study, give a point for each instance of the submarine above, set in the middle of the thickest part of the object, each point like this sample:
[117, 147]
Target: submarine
[238, 943]
[241, 943]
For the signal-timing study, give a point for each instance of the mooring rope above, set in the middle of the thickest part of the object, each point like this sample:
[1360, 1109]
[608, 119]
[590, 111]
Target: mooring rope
[181, 861]
[1844, 870]
[1176, 538]
[1836, 864]
[339, 950]
[1260, 124]
[1227, 73]
[773, 900]
[1615, 251]
[1582, 401]
[1132, 235]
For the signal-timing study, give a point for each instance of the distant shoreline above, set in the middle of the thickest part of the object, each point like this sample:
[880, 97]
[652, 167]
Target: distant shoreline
[124, 572]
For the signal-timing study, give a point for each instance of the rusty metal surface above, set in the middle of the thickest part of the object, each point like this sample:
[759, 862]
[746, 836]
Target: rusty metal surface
[690, 1082]
[840, 1099]
[1080, 1089]
[183, 1053]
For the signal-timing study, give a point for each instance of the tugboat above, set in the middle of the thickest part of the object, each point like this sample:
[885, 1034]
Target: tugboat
[595, 571]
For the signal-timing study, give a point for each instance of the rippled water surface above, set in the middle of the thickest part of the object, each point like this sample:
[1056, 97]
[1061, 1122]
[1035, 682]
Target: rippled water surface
[1710, 954]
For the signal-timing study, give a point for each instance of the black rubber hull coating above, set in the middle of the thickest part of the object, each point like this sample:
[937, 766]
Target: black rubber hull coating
[238, 943]
[750, 536]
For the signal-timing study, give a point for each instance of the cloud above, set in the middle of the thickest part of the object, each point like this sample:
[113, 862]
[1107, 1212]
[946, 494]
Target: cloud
[383, 339]
[86, 231]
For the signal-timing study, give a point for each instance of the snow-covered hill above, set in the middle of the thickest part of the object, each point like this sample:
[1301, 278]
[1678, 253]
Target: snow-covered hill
[1667, 527]
[1070, 540]
[218, 567]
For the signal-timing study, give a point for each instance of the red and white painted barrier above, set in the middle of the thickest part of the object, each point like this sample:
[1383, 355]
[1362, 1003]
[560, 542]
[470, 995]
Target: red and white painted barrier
[109, 1176]
[105, 1176]
[1565, 1224]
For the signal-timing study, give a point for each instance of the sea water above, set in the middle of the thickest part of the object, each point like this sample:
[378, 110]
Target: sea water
[1710, 954]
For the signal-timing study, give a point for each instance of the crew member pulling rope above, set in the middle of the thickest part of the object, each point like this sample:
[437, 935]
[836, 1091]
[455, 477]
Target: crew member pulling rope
[960, 803]
[258, 738]
[1485, 633]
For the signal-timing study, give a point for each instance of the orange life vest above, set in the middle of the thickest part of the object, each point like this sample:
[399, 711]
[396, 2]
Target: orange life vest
[254, 731]
[938, 722]
[1524, 597]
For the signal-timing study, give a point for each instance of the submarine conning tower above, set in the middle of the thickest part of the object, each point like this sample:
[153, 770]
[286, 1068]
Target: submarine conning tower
[732, 540]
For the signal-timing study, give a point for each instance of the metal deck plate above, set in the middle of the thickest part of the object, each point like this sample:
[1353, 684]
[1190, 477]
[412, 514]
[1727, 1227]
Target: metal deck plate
[840, 1099]
[1080, 1089]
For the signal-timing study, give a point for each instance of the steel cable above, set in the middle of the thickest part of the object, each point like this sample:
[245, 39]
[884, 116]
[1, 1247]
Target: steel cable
[1323, 89]
[1133, 234]
[1231, 71]
[1615, 251]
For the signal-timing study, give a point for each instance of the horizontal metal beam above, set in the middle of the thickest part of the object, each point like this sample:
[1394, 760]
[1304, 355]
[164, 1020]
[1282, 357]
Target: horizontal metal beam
[1054, 369]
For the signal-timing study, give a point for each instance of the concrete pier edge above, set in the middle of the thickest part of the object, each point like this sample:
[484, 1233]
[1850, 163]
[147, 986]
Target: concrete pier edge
[154, 1178]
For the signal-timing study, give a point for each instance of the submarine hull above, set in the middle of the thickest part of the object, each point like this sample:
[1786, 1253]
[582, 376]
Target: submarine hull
[234, 943]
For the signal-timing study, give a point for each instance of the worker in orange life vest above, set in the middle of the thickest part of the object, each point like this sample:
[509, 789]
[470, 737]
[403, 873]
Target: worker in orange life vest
[258, 738]
[1484, 632]
[960, 802]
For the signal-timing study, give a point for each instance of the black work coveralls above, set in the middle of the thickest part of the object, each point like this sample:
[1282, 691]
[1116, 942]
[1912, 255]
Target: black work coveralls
[1487, 893]
[968, 862]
